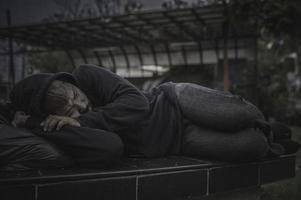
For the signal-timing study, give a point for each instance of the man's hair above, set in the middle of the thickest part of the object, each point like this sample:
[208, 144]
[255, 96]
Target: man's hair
[56, 98]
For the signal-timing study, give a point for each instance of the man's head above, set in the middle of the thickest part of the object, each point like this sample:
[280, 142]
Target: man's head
[63, 98]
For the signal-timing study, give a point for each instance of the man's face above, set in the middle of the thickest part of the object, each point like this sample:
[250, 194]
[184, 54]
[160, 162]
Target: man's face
[75, 101]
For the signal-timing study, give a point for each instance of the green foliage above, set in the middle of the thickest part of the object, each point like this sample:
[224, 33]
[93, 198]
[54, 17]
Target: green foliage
[274, 92]
[275, 22]
[274, 17]
[50, 62]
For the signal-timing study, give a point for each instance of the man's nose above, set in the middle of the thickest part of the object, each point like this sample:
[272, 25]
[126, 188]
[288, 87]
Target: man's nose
[81, 106]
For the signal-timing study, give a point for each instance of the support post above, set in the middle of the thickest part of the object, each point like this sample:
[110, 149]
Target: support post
[140, 58]
[225, 52]
[70, 58]
[184, 56]
[256, 88]
[11, 74]
[113, 61]
[226, 65]
[217, 54]
[236, 47]
[168, 54]
[83, 55]
[201, 53]
[155, 57]
[257, 100]
[98, 58]
[128, 65]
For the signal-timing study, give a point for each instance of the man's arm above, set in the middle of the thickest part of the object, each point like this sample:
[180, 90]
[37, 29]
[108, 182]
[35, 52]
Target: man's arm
[119, 105]
[51, 123]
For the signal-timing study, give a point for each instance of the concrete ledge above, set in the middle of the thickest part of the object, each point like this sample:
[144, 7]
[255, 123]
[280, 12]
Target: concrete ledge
[143, 179]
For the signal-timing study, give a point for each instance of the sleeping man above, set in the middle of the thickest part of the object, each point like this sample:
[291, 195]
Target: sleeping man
[171, 119]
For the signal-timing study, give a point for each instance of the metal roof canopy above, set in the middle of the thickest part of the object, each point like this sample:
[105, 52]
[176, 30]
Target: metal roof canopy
[151, 27]
[148, 28]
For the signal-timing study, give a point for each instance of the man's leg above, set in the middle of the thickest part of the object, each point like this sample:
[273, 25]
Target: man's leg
[245, 145]
[216, 109]
[86, 146]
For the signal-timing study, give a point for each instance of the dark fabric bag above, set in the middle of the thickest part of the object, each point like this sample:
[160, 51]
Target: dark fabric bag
[216, 109]
[244, 145]
[290, 146]
[6, 113]
[22, 150]
[280, 131]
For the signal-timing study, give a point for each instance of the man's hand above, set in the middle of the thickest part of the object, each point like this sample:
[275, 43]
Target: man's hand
[57, 122]
[19, 119]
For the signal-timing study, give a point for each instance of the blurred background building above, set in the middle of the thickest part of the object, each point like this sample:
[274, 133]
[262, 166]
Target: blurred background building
[246, 47]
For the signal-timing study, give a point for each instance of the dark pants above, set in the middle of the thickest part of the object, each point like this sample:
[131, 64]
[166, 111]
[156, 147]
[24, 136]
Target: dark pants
[220, 125]
[244, 145]
[86, 146]
[216, 109]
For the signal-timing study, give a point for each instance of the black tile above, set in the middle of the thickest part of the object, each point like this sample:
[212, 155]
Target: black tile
[169, 161]
[17, 177]
[104, 189]
[228, 178]
[17, 193]
[278, 169]
[61, 175]
[178, 185]
[127, 167]
[168, 164]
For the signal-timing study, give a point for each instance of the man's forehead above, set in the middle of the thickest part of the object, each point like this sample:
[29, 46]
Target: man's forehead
[61, 88]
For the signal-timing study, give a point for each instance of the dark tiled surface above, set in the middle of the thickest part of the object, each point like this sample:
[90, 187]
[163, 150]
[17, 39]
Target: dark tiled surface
[232, 177]
[162, 178]
[17, 193]
[50, 175]
[106, 189]
[277, 169]
[128, 167]
[172, 163]
[180, 185]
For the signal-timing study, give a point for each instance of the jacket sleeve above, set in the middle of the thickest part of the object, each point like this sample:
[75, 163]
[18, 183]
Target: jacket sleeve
[119, 105]
[33, 122]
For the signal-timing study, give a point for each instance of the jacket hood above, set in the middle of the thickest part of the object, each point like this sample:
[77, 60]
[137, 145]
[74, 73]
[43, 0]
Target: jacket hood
[28, 94]
[6, 113]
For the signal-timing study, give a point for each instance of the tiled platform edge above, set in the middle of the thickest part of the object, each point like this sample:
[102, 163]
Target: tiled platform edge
[172, 178]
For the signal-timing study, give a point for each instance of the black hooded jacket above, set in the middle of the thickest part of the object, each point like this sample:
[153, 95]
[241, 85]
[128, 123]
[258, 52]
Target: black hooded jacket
[149, 123]
[6, 113]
